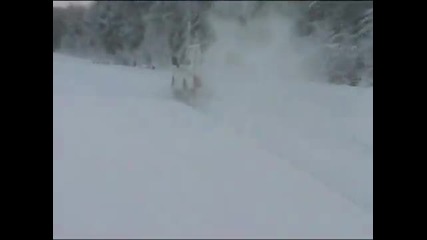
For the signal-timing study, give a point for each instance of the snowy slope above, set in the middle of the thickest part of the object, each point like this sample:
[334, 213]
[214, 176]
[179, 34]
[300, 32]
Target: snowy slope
[324, 130]
[131, 162]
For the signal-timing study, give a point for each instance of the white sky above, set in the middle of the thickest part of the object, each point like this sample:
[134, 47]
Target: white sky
[66, 3]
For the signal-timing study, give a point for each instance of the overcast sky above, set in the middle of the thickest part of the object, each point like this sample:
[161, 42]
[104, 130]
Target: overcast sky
[66, 3]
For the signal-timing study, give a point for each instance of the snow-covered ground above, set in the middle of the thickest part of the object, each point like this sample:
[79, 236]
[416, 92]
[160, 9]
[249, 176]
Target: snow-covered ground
[269, 159]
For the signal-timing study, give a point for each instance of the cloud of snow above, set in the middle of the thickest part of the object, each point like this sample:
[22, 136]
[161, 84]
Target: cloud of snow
[264, 50]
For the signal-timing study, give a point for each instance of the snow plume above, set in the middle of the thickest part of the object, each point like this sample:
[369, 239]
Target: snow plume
[269, 38]
[263, 50]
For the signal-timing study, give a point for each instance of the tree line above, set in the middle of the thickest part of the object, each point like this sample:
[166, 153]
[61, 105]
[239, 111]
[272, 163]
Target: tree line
[146, 32]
